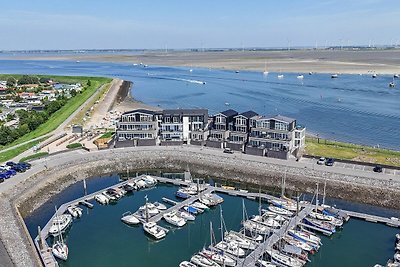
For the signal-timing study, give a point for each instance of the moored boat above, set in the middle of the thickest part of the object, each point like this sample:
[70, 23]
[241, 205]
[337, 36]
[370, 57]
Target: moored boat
[242, 241]
[154, 230]
[172, 218]
[280, 211]
[324, 226]
[283, 260]
[60, 224]
[101, 199]
[231, 248]
[186, 264]
[254, 227]
[306, 237]
[129, 218]
[203, 261]
[75, 211]
[186, 215]
[60, 250]
[222, 259]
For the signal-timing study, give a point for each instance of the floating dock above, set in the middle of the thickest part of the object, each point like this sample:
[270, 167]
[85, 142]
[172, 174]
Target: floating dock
[49, 260]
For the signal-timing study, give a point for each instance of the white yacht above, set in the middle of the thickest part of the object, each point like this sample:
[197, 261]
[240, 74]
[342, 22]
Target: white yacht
[280, 211]
[283, 260]
[263, 263]
[186, 264]
[75, 211]
[280, 76]
[255, 227]
[60, 250]
[160, 206]
[298, 243]
[300, 77]
[203, 261]
[211, 199]
[60, 224]
[129, 218]
[186, 215]
[154, 230]
[266, 221]
[199, 205]
[241, 240]
[173, 219]
[222, 259]
[150, 181]
[334, 76]
[332, 220]
[231, 248]
[101, 199]
[140, 184]
[306, 237]
[151, 209]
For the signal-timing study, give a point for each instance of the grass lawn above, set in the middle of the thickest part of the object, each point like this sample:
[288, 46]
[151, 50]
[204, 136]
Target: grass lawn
[62, 114]
[107, 135]
[7, 155]
[74, 145]
[347, 151]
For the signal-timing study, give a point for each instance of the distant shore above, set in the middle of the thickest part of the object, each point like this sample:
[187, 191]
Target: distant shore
[296, 61]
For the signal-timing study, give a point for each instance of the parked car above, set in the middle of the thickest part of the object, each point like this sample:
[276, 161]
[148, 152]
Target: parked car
[5, 167]
[321, 161]
[18, 168]
[10, 163]
[228, 150]
[329, 162]
[25, 165]
[378, 168]
[6, 175]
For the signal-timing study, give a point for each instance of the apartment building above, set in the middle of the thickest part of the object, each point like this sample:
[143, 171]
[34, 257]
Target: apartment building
[238, 136]
[221, 126]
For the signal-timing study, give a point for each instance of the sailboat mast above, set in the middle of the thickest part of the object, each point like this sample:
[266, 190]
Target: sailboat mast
[259, 201]
[323, 198]
[316, 199]
[222, 228]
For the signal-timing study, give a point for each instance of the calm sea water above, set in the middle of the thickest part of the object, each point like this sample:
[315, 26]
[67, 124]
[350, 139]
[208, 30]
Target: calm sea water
[352, 108]
[99, 238]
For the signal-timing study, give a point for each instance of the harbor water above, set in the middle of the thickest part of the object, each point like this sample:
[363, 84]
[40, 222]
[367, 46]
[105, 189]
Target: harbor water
[99, 238]
[351, 108]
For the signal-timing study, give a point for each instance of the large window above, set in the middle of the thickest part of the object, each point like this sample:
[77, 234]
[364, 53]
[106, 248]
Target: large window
[281, 126]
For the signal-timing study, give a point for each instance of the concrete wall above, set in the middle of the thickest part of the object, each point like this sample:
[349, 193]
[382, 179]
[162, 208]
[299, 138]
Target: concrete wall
[215, 144]
[254, 151]
[171, 143]
[126, 143]
[233, 146]
[146, 142]
[277, 154]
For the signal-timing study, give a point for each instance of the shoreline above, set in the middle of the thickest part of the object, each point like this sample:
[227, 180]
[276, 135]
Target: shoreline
[384, 62]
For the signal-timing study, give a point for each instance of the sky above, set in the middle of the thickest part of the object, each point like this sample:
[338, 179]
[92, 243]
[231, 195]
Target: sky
[148, 24]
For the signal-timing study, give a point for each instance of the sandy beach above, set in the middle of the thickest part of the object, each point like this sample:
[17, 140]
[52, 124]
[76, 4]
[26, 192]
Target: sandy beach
[297, 61]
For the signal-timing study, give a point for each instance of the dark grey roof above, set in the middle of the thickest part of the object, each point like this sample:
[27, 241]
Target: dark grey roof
[249, 114]
[229, 113]
[145, 111]
[187, 112]
[283, 118]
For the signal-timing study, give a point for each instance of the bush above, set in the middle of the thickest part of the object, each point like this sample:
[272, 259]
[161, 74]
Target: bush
[74, 145]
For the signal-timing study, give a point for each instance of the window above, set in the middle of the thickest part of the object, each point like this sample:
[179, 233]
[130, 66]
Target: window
[167, 119]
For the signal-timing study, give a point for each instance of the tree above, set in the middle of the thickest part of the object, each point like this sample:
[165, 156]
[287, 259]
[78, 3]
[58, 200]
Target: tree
[26, 79]
[11, 82]
[10, 117]
[89, 83]
[73, 92]
[17, 99]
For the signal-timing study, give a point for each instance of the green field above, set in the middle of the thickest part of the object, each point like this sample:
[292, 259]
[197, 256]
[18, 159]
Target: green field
[339, 150]
[74, 145]
[7, 155]
[34, 156]
[62, 114]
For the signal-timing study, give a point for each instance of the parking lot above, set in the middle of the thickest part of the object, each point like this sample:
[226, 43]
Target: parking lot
[353, 166]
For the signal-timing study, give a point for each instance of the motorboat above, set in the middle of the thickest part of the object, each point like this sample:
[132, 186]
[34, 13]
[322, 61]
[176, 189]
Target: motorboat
[154, 230]
[298, 243]
[283, 260]
[160, 206]
[242, 241]
[192, 210]
[324, 226]
[396, 257]
[398, 237]
[306, 237]
[151, 209]
[129, 187]
[374, 75]
[199, 205]
[60, 250]
[295, 252]
[396, 76]
[392, 85]
[280, 76]
[334, 76]
[75, 211]
[172, 218]
[211, 199]
[110, 197]
[300, 77]
[187, 264]
[129, 218]
[280, 211]
[266, 221]
[263, 263]
[102, 199]
[182, 194]
[222, 259]
[323, 217]
[150, 181]
[140, 184]
[203, 261]
[186, 215]
[231, 248]
[60, 224]
[255, 227]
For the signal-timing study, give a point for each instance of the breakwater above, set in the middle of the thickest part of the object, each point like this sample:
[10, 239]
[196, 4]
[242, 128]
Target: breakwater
[68, 168]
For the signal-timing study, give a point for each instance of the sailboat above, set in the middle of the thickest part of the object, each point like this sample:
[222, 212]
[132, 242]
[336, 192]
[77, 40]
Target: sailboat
[265, 69]
[217, 257]
[392, 84]
[59, 248]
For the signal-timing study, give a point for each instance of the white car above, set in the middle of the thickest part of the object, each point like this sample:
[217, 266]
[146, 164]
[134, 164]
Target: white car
[321, 161]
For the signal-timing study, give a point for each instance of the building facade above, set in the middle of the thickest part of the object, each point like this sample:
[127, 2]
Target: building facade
[221, 126]
[238, 136]
[277, 136]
